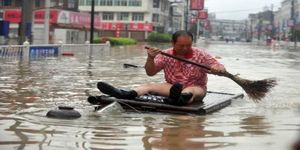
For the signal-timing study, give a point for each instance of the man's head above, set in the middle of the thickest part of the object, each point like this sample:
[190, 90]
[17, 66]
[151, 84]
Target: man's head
[182, 42]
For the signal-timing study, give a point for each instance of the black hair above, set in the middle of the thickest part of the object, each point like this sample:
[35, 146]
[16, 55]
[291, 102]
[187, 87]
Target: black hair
[181, 33]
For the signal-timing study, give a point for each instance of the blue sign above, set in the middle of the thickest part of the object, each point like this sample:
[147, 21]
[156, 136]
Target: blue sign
[43, 51]
[4, 28]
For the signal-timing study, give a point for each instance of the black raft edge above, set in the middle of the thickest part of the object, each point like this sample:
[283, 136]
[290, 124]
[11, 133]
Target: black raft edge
[208, 106]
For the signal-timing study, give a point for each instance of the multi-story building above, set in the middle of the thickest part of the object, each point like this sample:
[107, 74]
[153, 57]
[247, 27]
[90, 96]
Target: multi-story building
[261, 25]
[283, 18]
[228, 29]
[70, 19]
[133, 18]
[66, 23]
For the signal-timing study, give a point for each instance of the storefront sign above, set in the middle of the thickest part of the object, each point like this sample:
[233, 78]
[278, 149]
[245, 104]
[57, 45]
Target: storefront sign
[73, 19]
[196, 4]
[128, 27]
[76, 20]
[12, 15]
[140, 27]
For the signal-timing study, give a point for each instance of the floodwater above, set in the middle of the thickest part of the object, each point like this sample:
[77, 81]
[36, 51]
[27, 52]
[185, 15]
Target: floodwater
[29, 89]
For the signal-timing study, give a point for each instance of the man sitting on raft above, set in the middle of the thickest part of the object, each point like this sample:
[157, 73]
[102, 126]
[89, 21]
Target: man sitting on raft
[184, 84]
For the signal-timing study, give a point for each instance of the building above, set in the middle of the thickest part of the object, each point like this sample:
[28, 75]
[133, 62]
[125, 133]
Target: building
[70, 19]
[66, 23]
[134, 18]
[228, 29]
[283, 19]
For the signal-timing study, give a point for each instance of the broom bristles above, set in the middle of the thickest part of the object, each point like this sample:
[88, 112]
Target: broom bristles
[256, 90]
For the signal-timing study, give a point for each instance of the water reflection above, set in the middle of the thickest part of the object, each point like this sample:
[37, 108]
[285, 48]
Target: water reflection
[182, 132]
[253, 125]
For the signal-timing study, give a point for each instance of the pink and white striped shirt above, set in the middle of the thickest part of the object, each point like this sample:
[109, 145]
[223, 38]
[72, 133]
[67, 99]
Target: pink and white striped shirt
[181, 72]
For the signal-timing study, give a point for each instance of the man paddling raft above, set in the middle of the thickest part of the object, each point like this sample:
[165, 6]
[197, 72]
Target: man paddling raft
[185, 82]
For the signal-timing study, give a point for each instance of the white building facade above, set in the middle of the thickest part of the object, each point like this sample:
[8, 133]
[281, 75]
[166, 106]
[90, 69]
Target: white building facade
[130, 18]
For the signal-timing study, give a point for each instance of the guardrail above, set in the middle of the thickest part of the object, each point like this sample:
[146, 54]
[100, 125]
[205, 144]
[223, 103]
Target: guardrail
[27, 52]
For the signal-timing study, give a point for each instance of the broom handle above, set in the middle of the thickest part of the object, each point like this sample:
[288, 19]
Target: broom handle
[184, 60]
[225, 74]
[187, 61]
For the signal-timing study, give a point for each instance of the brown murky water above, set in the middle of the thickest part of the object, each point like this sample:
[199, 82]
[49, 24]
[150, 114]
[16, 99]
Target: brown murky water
[29, 89]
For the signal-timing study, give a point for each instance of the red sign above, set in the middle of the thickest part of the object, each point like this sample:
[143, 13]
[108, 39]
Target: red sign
[12, 15]
[71, 19]
[39, 16]
[130, 27]
[197, 4]
[60, 17]
[112, 26]
[202, 14]
[140, 27]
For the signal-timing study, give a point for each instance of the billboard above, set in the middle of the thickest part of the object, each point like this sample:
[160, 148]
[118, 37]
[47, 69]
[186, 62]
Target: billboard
[197, 4]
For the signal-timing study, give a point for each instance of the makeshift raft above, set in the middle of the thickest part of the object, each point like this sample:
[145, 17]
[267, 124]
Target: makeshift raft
[212, 102]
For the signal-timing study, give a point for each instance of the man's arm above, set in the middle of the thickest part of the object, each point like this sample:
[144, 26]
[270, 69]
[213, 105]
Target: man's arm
[150, 65]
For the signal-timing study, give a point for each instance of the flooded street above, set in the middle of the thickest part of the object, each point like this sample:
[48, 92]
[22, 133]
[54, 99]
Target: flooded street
[29, 89]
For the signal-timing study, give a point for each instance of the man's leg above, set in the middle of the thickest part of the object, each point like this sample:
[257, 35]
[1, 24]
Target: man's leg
[162, 89]
[115, 92]
[198, 93]
[158, 88]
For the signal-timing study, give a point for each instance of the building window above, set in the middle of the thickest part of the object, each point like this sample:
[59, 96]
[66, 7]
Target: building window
[97, 2]
[88, 2]
[117, 3]
[135, 3]
[120, 3]
[102, 2]
[155, 17]
[82, 2]
[53, 3]
[106, 2]
[6, 3]
[108, 16]
[38, 4]
[137, 17]
[71, 4]
[123, 16]
[109, 2]
[156, 3]
[124, 3]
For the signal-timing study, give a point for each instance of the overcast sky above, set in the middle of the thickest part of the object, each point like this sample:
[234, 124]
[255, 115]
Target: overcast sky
[238, 9]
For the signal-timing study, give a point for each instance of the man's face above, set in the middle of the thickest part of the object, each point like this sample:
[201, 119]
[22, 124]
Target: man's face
[182, 45]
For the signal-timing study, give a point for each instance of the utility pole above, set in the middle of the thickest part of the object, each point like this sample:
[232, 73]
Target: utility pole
[92, 22]
[272, 21]
[171, 17]
[294, 22]
[47, 22]
[186, 15]
[26, 21]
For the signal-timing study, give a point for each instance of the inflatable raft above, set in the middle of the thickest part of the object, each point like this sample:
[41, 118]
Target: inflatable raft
[212, 102]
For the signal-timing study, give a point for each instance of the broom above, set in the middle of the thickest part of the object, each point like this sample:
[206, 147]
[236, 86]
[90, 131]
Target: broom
[256, 90]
